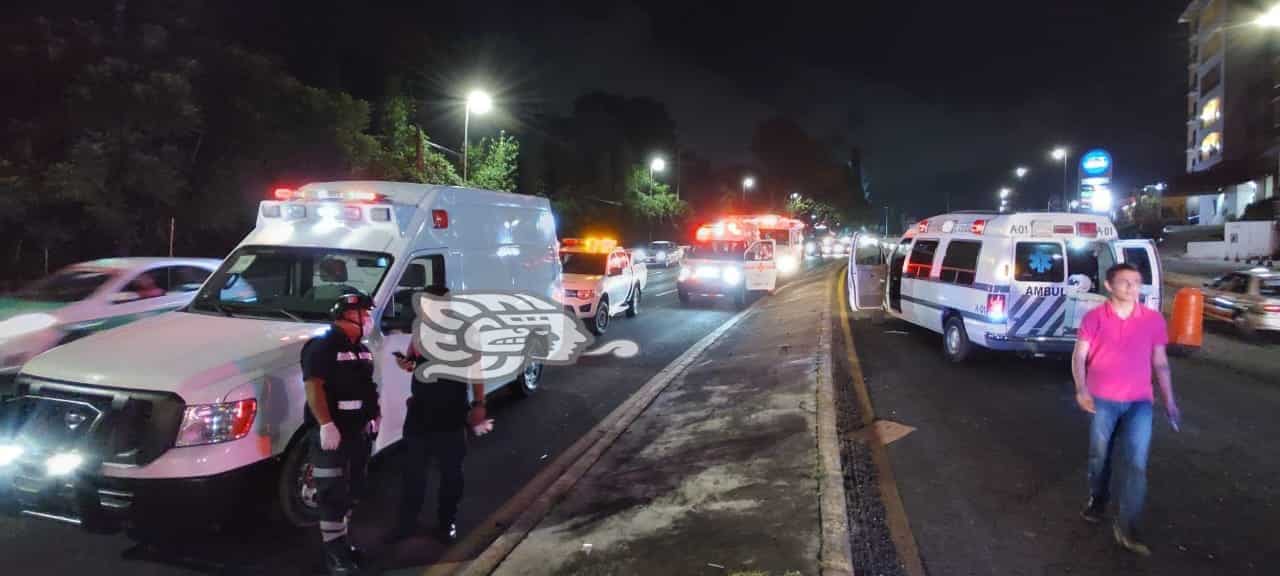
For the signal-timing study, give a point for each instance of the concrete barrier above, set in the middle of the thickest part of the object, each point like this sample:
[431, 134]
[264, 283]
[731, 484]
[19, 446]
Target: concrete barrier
[1207, 250]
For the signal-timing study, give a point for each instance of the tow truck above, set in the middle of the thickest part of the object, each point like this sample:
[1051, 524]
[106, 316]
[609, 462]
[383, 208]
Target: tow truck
[600, 281]
[728, 258]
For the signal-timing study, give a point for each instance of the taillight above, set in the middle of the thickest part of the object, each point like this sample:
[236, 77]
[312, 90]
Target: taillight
[1271, 309]
[1087, 229]
[978, 227]
[995, 306]
[439, 219]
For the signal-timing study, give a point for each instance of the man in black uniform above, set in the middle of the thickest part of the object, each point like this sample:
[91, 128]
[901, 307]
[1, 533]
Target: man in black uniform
[343, 400]
[435, 428]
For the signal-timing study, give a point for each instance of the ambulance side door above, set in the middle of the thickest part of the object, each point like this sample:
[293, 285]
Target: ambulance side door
[395, 328]
[1142, 254]
[760, 267]
[866, 273]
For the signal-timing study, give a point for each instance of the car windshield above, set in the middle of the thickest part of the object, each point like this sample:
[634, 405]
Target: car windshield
[66, 286]
[291, 283]
[655, 246]
[582, 263]
[1270, 287]
[721, 250]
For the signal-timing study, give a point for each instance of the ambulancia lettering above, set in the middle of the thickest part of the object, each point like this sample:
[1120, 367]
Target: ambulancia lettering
[1044, 291]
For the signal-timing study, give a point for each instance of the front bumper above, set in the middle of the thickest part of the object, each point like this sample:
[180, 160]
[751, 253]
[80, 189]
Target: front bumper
[1264, 322]
[579, 308]
[97, 502]
[708, 286]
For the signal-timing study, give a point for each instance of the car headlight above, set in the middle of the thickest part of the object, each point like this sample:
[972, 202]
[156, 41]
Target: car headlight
[25, 324]
[9, 453]
[787, 264]
[708, 272]
[685, 273]
[638, 253]
[662, 255]
[214, 423]
[731, 275]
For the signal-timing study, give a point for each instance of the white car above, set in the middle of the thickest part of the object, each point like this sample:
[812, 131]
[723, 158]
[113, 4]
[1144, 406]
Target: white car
[90, 297]
[659, 253]
[600, 281]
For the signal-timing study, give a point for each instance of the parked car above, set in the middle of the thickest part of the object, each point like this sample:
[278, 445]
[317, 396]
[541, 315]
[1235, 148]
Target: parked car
[1249, 299]
[90, 297]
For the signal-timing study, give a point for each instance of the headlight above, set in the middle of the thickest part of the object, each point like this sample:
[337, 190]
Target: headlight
[809, 247]
[662, 255]
[708, 272]
[9, 453]
[580, 294]
[639, 254]
[25, 323]
[214, 423]
[731, 275]
[685, 273]
[62, 464]
[787, 264]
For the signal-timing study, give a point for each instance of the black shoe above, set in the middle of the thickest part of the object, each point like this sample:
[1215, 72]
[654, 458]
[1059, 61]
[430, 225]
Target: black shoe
[447, 532]
[337, 558]
[1129, 541]
[1093, 511]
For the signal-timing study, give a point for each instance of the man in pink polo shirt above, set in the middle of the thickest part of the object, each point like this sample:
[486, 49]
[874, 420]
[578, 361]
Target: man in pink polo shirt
[1118, 344]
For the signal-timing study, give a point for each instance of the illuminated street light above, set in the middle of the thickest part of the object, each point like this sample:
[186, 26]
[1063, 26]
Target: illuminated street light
[1020, 171]
[795, 195]
[1060, 154]
[657, 165]
[478, 102]
[1270, 18]
[1004, 192]
[747, 183]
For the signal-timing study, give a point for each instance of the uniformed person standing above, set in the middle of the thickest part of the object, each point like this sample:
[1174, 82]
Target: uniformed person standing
[435, 430]
[342, 400]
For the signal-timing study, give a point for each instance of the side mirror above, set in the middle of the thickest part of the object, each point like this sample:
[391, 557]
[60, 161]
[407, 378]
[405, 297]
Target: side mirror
[123, 297]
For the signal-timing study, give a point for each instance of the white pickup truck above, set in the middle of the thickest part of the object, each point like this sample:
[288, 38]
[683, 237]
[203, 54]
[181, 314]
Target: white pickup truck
[600, 281]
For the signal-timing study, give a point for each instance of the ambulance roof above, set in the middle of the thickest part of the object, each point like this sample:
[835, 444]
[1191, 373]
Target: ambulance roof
[1016, 224]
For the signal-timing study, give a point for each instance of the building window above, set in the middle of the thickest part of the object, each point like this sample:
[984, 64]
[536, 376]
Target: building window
[1212, 144]
[1209, 15]
[1211, 79]
[1211, 112]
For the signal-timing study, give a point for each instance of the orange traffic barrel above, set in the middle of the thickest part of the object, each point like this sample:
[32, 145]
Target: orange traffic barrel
[1186, 327]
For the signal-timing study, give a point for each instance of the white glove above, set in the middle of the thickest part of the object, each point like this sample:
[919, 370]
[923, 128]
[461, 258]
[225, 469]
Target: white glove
[330, 438]
[374, 426]
[483, 428]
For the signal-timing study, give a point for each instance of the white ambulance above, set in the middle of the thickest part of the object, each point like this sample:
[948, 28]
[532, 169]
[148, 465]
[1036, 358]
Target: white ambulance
[192, 413]
[1002, 281]
[728, 258]
[788, 237]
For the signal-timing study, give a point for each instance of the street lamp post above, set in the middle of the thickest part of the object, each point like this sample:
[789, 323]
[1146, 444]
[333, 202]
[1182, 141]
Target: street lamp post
[747, 183]
[1020, 172]
[657, 165]
[1060, 154]
[478, 102]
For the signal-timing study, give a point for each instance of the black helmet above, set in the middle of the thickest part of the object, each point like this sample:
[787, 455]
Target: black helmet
[351, 301]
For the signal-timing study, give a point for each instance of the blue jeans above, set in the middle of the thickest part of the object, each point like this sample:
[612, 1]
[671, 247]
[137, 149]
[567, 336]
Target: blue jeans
[1127, 424]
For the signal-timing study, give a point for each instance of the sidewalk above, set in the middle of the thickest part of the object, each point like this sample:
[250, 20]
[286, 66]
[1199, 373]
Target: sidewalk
[719, 475]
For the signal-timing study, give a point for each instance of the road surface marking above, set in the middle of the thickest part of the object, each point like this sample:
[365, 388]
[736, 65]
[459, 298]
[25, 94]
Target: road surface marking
[671, 291]
[895, 512]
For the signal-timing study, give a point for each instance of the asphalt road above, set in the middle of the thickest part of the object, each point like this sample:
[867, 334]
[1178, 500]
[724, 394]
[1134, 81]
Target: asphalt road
[529, 434]
[993, 477]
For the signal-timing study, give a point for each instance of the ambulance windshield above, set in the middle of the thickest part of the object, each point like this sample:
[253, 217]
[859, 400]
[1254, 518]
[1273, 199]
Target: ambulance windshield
[583, 263]
[718, 250]
[291, 283]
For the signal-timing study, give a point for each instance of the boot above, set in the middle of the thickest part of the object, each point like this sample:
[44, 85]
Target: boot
[337, 558]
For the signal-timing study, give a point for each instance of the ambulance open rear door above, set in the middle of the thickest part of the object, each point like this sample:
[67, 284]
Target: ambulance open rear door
[865, 276]
[1142, 254]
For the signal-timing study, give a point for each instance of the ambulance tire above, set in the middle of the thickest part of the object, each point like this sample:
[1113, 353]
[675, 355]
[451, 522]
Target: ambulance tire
[633, 307]
[955, 341]
[683, 296]
[599, 323]
[740, 298]
[527, 383]
[291, 507]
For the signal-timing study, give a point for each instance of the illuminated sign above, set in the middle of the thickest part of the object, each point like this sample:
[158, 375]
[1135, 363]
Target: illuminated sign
[1096, 162]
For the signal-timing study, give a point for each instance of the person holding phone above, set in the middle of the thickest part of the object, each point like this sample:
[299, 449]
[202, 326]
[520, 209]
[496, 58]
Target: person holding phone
[1119, 345]
[435, 430]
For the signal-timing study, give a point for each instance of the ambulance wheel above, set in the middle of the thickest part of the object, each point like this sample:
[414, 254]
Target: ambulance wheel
[955, 341]
[740, 298]
[296, 488]
[683, 296]
[1243, 327]
[528, 381]
[599, 324]
[633, 307]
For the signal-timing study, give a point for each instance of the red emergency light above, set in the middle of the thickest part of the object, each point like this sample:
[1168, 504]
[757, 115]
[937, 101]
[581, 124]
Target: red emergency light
[1087, 229]
[439, 219]
[978, 227]
[923, 226]
[282, 193]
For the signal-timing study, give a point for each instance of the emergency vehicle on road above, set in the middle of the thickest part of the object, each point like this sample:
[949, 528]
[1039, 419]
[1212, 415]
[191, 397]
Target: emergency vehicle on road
[788, 237]
[601, 280]
[191, 414]
[1003, 281]
[728, 258]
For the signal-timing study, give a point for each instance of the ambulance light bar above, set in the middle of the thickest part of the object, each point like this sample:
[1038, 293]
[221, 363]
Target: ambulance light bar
[334, 195]
[597, 245]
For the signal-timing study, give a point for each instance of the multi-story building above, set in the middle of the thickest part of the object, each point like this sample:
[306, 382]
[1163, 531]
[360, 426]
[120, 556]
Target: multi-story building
[1233, 109]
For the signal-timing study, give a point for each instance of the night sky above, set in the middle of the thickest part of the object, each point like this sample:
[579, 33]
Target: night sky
[939, 95]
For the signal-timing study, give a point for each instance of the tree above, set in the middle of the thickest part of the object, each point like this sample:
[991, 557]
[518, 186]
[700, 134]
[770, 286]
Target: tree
[494, 163]
[405, 152]
[652, 200]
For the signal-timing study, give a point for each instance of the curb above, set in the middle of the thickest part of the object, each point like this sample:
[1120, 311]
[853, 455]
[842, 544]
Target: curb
[836, 552]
